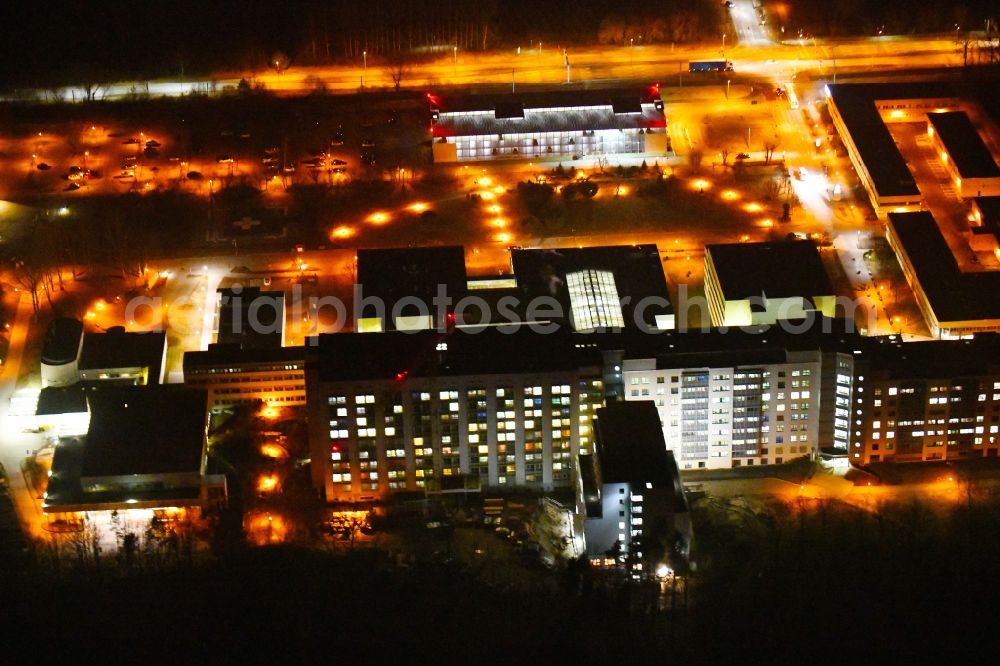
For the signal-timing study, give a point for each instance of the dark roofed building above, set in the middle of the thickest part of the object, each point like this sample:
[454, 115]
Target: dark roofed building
[251, 318]
[400, 356]
[401, 412]
[642, 503]
[233, 375]
[394, 280]
[966, 157]
[122, 356]
[591, 283]
[145, 448]
[856, 110]
[984, 236]
[61, 351]
[760, 283]
[953, 302]
[548, 124]
[908, 387]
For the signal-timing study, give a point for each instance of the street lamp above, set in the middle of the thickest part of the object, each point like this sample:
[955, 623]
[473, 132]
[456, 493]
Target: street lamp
[364, 56]
[723, 45]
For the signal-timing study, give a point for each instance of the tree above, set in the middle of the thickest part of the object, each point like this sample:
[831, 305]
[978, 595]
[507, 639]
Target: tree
[399, 67]
[769, 152]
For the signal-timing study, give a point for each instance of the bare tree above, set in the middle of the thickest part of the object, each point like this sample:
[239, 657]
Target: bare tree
[769, 152]
[399, 67]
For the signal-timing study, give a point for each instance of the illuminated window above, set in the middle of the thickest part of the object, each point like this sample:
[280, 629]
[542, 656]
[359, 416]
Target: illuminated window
[594, 300]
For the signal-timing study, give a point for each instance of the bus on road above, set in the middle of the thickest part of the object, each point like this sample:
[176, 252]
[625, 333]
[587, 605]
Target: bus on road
[710, 66]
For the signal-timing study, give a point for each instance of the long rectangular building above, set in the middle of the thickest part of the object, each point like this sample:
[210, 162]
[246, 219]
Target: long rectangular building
[966, 157]
[954, 303]
[860, 112]
[548, 124]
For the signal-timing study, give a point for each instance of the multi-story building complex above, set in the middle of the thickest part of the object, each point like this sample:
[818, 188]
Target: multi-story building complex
[233, 375]
[630, 493]
[741, 398]
[430, 412]
[927, 401]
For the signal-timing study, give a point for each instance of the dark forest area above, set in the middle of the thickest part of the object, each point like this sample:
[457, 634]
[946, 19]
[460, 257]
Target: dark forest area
[56, 43]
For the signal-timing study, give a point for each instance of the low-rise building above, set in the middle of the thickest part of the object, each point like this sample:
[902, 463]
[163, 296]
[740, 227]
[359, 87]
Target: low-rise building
[250, 318]
[399, 287]
[861, 111]
[750, 284]
[965, 156]
[595, 288]
[145, 448]
[954, 302]
[121, 356]
[548, 125]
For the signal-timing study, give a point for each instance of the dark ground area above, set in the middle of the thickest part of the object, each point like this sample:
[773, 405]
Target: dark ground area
[789, 584]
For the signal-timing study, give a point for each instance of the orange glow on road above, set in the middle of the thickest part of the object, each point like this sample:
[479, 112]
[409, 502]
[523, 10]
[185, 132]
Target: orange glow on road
[273, 451]
[503, 237]
[495, 208]
[701, 184]
[486, 195]
[500, 223]
[767, 223]
[343, 232]
[418, 207]
[266, 484]
[730, 195]
[378, 218]
[753, 208]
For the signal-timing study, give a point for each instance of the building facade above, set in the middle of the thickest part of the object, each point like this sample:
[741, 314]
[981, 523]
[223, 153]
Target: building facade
[928, 401]
[502, 421]
[722, 410]
[234, 376]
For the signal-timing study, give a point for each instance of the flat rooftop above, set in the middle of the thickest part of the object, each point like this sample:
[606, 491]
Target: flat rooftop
[965, 146]
[989, 207]
[251, 318]
[397, 273]
[134, 431]
[546, 111]
[395, 355]
[399, 356]
[226, 357]
[946, 359]
[856, 104]
[780, 269]
[145, 430]
[118, 348]
[631, 448]
[62, 341]
[637, 272]
[952, 294]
